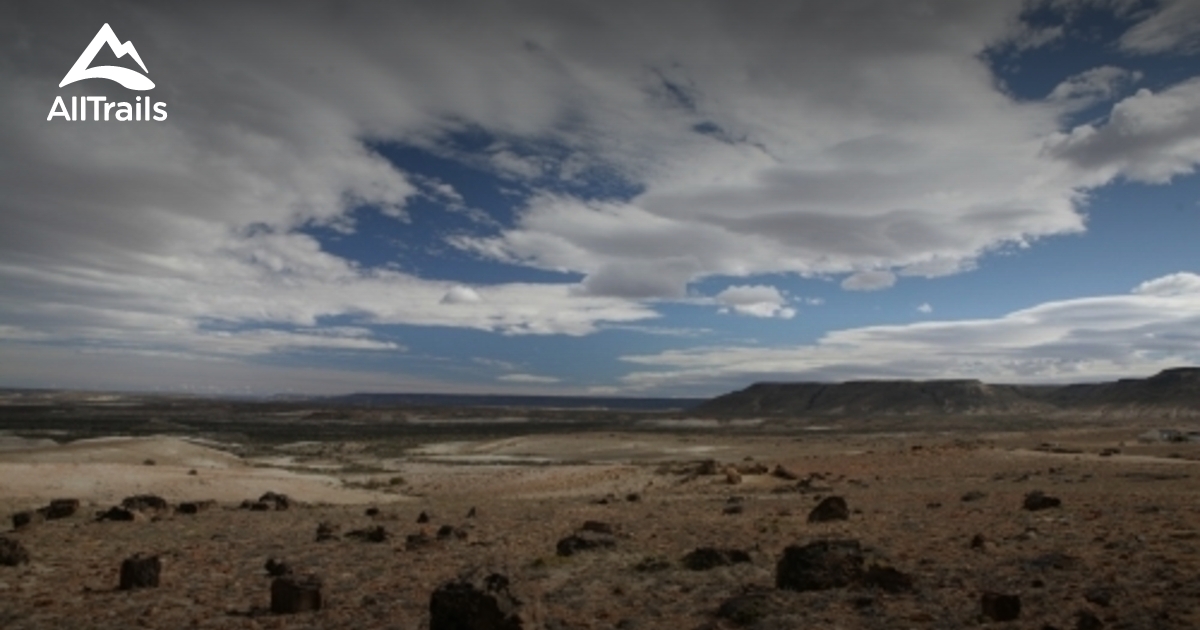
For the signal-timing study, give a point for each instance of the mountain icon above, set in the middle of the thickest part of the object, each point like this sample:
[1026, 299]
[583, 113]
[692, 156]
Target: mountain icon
[126, 77]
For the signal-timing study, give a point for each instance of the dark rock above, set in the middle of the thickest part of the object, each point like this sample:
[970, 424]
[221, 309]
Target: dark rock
[819, 565]
[375, 534]
[446, 532]
[705, 558]
[276, 500]
[140, 572]
[978, 542]
[830, 509]
[973, 495]
[598, 527]
[1085, 620]
[584, 541]
[746, 608]
[1098, 596]
[633, 497]
[475, 604]
[118, 513]
[260, 506]
[753, 469]
[1000, 607]
[27, 518]
[708, 467]
[1037, 500]
[887, 579]
[145, 503]
[60, 508]
[422, 518]
[12, 552]
[290, 594]
[195, 507]
[372, 512]
[420, 540]
[783, 473]
[736, 508]
[327, 531]
[471, 512]
[277, 568]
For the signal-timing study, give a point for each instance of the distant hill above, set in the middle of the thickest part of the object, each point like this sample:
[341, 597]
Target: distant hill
[516, 402]
[1174, 391]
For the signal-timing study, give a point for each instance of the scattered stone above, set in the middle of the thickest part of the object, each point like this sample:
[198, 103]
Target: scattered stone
[1000, 607]
[372, 511]
[598, 527]
[755, 468]
[327, 531]
[473, 603]
[422, 518]
[1085, 620]
[28, 518]
[12, 552]
[746, 608]
[290, 595]
[973, 495]
[705, 558]
[118, 513]
[830, 509]
[149, 462]
[276, 500]
[978, 542]
[193, 472]
[145, 503]
[783, 473]
[888, 579]
[471, 512]
[375, 534]
[819, 565]
[195, 507]
[708, 467]
[736, 508]
[259, 506]
[60, 508]
[1038, 500]
[140, 572]
[277, 568]
[446, 532]
[732, 476]
[633, 497]
[584, 541]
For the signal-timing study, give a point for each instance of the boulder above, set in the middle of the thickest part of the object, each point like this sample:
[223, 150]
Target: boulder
[28, 518]
[60, 508]
[327, 531]
[705, 558]
[12, 552]
[887, 579]
[475, 603]
[195, 507]
[118, 513]
[732, 476]
[999, 606]
[830, 509]
[276, 500]
[145, 503]
[819, 565]
[291, 594]
[1038, 500]
[140, 572]
[375, 534]
[584, 541]
[782, 472]
[422, 518]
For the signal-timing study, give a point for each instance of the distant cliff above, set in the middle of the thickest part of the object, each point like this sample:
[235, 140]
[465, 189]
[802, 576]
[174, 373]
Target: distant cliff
[1170, 392]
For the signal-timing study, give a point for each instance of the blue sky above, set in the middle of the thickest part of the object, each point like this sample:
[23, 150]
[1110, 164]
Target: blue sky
[602, 198]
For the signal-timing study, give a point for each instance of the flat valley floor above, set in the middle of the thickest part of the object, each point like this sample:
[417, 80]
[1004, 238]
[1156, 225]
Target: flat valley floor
[945, 508]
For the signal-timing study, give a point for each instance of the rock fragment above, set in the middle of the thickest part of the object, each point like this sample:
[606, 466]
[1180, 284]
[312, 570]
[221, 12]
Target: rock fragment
[830, 509]
[474, 603]
[291, 594]
[140, 572]
[12, 552]
[1000, 606]
[819, 565]
[327, 531]
[1038, 500]
[705, 558]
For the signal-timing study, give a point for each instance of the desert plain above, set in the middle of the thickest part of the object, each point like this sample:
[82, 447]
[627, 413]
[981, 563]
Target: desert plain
[410, 502]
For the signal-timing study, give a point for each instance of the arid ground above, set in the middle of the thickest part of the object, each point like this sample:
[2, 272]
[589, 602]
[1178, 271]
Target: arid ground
[1122, 549]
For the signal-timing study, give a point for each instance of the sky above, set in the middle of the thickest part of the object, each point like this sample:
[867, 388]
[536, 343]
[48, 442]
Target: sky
[599, 198]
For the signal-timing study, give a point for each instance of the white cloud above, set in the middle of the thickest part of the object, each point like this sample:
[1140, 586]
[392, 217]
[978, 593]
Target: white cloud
[755, 300]
[528, 378]
[869, 281]
[1088, 88]
[1173, 28]
[1149, 137]
[925, 308]
[461, 295]
[1154, 327]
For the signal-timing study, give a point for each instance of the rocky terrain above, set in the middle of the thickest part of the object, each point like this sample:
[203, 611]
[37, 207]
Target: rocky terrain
[1068, 527]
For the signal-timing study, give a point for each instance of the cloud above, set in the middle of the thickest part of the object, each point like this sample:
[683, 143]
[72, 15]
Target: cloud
[925, 308]
[755, 300]
[1151, 328]
[1173, 28]
[461, 295]
[528, 378]
[1149, 137]
[1088, 88]
[869, 281]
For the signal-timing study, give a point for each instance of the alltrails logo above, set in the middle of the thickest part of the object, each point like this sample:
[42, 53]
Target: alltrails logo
[140, 109]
